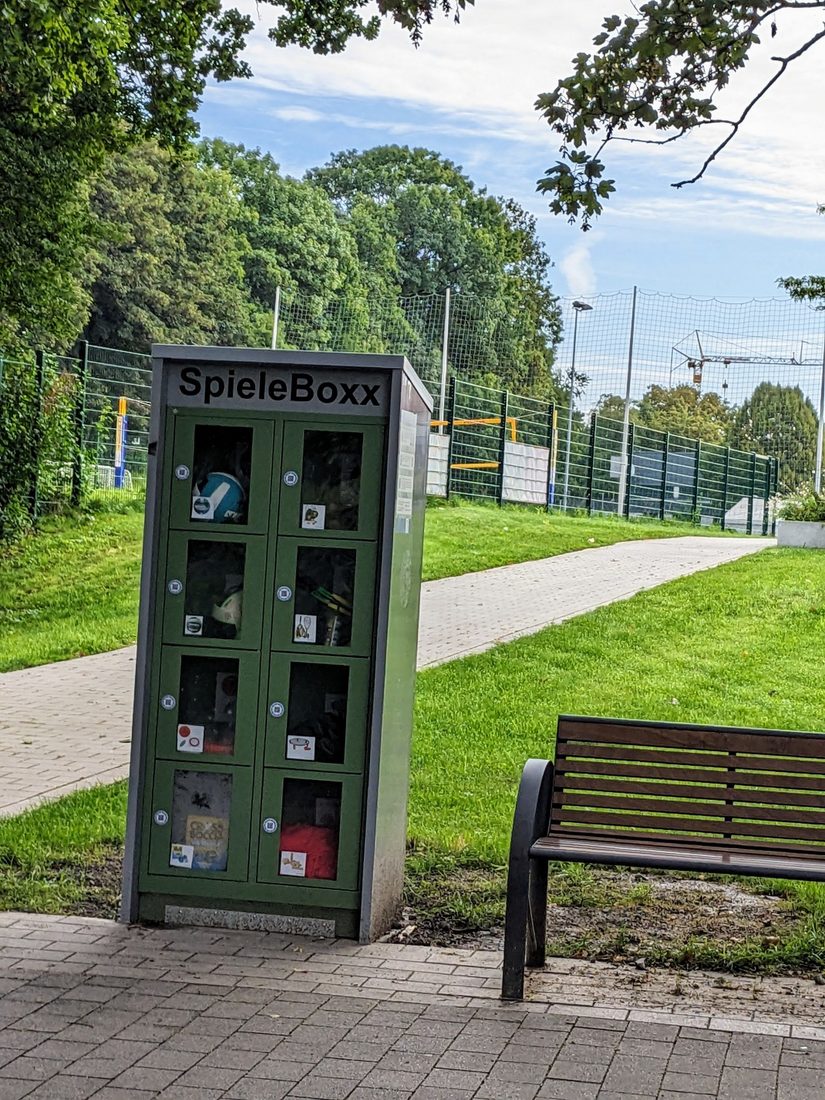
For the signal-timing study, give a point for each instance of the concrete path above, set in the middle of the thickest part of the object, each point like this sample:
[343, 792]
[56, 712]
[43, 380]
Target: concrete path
[67, 725]
[89, 1008]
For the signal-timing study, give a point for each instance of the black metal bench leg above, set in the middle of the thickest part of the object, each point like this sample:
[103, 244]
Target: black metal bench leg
[537, 913]
[515, 930]
[524, 922]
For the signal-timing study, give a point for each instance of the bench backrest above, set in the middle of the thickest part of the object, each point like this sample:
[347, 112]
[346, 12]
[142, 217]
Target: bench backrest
[627, 780]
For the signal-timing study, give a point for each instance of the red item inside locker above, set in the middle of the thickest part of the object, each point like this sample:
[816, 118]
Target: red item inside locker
[320, 844]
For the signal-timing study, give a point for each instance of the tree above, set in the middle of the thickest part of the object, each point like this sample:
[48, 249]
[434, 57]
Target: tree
[446, 233]
[298, 243]
[684, 410]
[79, 80]
[659, 70]
[169, 262]
[780, 421]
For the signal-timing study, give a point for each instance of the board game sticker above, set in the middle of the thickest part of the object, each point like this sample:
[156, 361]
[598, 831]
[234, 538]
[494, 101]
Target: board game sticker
[181, 855]
[190, 738]
[294, 863]
[305, 628]
[300, 748]
[313, 517]
[193, 625]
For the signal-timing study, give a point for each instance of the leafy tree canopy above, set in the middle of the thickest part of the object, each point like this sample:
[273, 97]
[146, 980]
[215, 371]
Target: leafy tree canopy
[780, 420]
[682, 410]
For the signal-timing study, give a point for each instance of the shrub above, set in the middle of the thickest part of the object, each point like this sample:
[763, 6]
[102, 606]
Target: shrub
[806, 504]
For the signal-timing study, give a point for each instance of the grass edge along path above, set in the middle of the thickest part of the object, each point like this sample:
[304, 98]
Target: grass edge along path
[72, 589]
[738, 645]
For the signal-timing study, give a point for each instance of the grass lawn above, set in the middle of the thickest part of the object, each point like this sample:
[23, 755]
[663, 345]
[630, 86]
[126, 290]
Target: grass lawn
[738, 645]
[465, 537]
[73, 589]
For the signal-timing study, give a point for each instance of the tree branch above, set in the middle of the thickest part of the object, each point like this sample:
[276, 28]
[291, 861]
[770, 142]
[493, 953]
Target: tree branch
[784, 62]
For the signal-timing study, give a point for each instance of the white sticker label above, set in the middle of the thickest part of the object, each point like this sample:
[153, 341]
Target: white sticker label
[300, 748]
[276, 710]
[270, 825]
[284, 593]
[182, 472]
[168, 702]
[160, 817]
[175, 587]
[294, 863]
[181, 855]
[193, 625]
[190, 738]
[305, 626]
[290, 478]
[313, 516]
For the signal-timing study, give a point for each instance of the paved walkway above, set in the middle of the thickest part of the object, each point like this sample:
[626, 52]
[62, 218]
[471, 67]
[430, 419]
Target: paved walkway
[89, 1008]
[67, 725]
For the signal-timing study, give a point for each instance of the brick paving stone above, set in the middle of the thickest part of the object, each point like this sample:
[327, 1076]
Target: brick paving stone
[254, 1088]
[14, 1089]
[567, 1090]
[323, 1088]
[747, 1084]
[634, 1075]
[64, 1088]
[146, 1079]
[695, 1082]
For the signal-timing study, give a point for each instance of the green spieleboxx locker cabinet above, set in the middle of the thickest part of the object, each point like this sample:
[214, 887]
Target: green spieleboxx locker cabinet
[277, 640]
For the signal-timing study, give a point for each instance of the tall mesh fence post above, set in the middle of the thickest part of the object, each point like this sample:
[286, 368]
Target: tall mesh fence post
[502, 445]
[445, 351]
[591, 463]
[665, 458]
[820, 431]
[628, 387]
[725, 487]
[552, 443]
[624, 504]
[79, 416]
[451, 428]
[37, 428]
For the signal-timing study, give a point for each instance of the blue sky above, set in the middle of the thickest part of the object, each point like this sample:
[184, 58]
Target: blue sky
[468, 93]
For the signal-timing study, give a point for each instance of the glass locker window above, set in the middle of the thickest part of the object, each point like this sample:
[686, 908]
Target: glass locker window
[324, 586]
[317, 712]
[201, 804]
[310, 828]
[208, 704]
[221, 473]
[331, 480]
[214, 589]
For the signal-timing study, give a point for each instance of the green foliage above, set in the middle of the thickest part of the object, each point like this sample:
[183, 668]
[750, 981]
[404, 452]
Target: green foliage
[295, 240]
[444, 232]
[37, 433]
[77, 81]
[653, 76]
[779, 420]
[806, 288]
[326, 26]
[682, 410]
[805, 504]
[169, 262]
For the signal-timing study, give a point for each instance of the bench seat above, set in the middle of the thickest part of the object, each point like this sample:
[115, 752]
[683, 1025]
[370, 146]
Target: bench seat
[673, 857]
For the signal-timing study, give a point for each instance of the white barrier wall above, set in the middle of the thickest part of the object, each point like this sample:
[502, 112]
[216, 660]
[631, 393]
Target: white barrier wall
[525, 471]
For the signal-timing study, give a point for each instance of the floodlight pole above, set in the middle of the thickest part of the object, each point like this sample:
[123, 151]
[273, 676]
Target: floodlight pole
[578, 307]
[819, 431]
[626, 421]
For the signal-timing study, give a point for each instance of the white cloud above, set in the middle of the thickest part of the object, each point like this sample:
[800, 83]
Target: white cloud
[577, 268]
[297, 114]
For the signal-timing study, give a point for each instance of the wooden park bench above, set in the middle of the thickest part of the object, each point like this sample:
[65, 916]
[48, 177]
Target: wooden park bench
[660, 794]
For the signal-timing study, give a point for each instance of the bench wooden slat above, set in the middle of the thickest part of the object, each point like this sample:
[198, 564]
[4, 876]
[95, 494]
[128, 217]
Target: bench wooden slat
[771, 742]
[630, 788]
[632, 822]
[692, 775]
[566, 757]
[720, 809]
